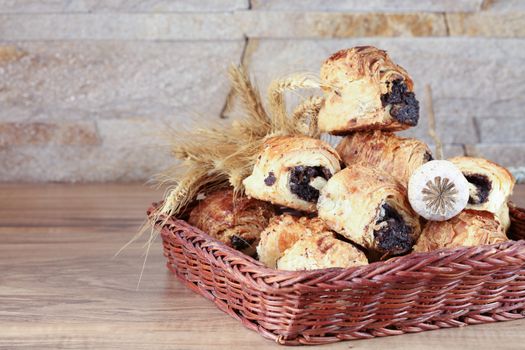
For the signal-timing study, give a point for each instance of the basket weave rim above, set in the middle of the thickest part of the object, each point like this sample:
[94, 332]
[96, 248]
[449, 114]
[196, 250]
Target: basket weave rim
[425, 265]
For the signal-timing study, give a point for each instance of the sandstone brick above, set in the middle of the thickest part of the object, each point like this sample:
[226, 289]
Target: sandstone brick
[145, 131]
[339, 25]
[10, 53]
[121, 26]
[131, 149]
[510, 25]
[40, 133]
[73, 163]
[502, 129]
[370, 5]
[449, 128]
[209, 26]
[97, 111]
[48, 6]
[503, 5]
[508, 155]
[110, 79]
[132, 132]
[449, 150]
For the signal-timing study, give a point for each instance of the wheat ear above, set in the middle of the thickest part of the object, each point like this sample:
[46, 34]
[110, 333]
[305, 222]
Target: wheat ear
[432, 124]
[276, 98]
[307, 113]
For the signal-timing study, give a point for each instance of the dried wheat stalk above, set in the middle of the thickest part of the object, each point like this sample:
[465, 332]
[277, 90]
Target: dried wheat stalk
[276, 99]
[224, 156]
[307, 113]
[432, 124]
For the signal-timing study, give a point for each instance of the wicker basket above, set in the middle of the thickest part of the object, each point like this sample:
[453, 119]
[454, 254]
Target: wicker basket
[413, 293]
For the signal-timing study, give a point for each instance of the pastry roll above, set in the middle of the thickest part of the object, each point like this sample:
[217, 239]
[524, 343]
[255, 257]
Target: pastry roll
[490, 186]
[293, 243]
[469, 228]
[237, 222]
[319, 252]
[291, 170]
[395, 155]
[365, 90]
[282, 232]
[370, 208]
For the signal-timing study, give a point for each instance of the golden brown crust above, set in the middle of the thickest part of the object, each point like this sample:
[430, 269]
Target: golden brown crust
[363, 61]
[319, 252]
[501, 184]
[395, 155]
[282, 232]
[469, 228]
[270, 179]
[237, 222]
[354, 81]
[301, 243]
[353, 204]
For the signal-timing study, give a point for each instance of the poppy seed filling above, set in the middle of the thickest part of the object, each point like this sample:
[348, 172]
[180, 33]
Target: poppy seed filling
[404, 106]
[239, 243]
[300, 178]
[395, 236]
[270, 179]
[482, 186]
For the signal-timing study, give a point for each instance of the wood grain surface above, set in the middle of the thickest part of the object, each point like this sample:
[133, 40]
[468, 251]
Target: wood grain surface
[60, 286]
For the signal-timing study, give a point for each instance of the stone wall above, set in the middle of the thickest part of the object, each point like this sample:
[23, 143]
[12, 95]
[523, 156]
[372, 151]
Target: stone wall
[88, 88]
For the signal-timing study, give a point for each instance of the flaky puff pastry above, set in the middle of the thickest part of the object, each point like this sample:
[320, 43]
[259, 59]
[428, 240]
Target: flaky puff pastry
[301, 243]
[291, 170]
[469, 228]
[369, 207]
[320, 252]
[282, 232]
[395, 155]
[365, 90]
[490, 186]
[237, 222]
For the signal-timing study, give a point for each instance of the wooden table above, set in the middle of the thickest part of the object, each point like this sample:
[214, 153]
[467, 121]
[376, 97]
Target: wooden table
[60, 286]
